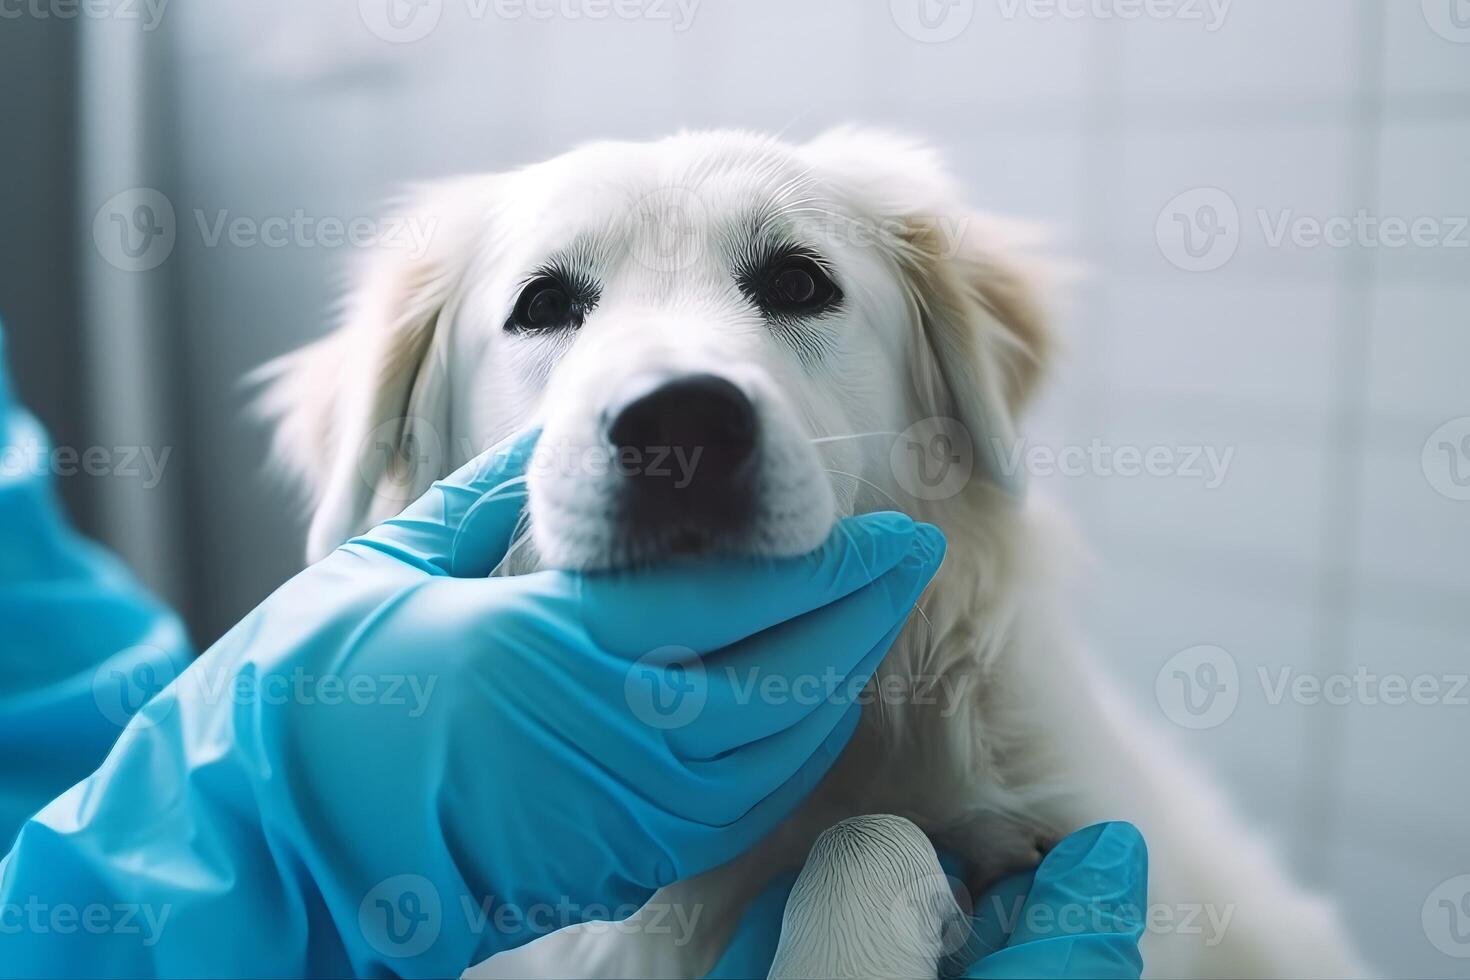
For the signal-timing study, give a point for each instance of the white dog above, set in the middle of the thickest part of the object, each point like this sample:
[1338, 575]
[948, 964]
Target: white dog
[731, 342]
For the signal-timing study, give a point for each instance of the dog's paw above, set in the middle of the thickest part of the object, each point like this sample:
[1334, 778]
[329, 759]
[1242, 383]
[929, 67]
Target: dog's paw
[871, 902]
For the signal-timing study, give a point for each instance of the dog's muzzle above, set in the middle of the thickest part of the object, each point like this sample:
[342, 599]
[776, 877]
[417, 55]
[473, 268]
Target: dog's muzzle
[687, 453]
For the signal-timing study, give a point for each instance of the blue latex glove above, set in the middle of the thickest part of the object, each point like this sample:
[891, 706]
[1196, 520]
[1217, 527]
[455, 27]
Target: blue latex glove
[516, 756]
[1079, 915]
[1082, 912]
[82, 645]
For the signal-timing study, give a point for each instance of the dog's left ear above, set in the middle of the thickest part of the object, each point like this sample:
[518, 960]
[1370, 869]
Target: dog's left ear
[974, 285]
[361, 415]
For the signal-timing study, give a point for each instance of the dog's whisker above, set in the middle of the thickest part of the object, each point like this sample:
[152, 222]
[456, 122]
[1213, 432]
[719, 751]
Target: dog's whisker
[928, 623]
[779, 206]
[788, 206]
[801, 205]
[811, 205]
[792, 184]
[927, 647]
[855, 435]
[869, 483]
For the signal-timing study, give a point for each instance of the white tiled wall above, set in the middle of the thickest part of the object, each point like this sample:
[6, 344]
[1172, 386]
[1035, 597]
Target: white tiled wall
[1323, 370]
[1260, 51]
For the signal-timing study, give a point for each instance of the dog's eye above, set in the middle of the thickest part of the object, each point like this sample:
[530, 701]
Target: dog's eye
[794, 285]
[546, 303]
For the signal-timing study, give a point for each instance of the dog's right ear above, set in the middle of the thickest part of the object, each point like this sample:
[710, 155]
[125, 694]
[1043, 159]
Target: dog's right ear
[974, 280]
[361, 416]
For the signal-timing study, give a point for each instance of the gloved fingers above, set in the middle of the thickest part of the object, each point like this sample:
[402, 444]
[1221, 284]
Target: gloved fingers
[788, 751]
[695, 835]
[710, 604]
[764, 691]
[1083, 916]
[732, 778]
[462, 524]
[726, 836]
[1094, 881]
[1089, 957]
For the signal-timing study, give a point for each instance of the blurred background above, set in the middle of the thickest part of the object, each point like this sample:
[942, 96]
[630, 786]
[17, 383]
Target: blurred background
[1270, 196]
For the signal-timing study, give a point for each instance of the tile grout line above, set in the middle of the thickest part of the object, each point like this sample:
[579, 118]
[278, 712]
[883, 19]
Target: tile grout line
[1101, 154]
[1346, 439]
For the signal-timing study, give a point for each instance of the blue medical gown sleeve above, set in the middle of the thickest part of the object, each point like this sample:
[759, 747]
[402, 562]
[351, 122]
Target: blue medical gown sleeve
[82, 644]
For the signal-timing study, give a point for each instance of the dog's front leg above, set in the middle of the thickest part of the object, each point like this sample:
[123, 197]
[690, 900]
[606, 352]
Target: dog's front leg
[872, 902]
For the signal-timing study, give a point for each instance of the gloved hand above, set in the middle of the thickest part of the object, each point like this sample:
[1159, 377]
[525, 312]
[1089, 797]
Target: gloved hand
[395, 765]
[1079, 915]
[82, 645]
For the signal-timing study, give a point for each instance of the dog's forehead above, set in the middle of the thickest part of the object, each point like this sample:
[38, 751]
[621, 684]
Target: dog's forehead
[729, 183]
[713, 161]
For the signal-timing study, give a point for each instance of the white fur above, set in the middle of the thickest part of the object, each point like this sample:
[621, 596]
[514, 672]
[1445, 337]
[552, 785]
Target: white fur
[874, 883]
[941, 320]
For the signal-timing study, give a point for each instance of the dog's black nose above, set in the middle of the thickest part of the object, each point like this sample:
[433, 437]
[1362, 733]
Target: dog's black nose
[702, 419]
[686, 448]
